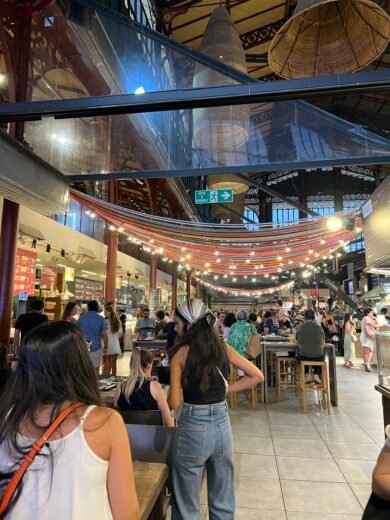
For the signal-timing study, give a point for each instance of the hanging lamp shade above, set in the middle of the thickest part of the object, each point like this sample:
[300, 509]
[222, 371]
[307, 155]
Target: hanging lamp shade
[329, 37]
[220, 129]
[66, 295]
[221, 182]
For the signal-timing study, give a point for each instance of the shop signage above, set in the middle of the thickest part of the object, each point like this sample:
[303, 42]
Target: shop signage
[25, 271]
[213, 196]
[48, 277]
[87, 290]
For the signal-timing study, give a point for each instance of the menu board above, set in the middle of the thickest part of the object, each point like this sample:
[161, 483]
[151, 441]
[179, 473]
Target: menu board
[48, 277]
[87, 290]
[154, 301]
[25, 271]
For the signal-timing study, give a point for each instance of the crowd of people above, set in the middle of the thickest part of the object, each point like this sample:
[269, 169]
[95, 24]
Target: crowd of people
[55, 380]
[82, 467]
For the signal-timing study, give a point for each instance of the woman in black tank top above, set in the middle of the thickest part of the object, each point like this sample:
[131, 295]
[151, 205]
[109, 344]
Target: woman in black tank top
[139, 392]
[199, 370]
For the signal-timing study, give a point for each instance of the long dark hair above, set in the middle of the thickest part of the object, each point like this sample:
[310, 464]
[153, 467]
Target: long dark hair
[347, 318]
[113, 319]
[54, 367]
[68, 310]
[207, 352]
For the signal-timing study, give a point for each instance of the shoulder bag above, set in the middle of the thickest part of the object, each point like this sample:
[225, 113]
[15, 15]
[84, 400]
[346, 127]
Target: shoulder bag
[253, 346]
[28, 459]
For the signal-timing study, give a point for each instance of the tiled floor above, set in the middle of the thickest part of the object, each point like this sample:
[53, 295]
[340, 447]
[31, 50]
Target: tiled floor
[292, 466]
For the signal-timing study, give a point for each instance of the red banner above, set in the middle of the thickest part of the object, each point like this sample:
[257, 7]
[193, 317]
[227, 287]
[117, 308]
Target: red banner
[26, 265]
[48, 277]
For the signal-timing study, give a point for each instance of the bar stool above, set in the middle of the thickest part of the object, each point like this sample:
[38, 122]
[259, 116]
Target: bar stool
[233, 395]
[314, 387]
[286, 374]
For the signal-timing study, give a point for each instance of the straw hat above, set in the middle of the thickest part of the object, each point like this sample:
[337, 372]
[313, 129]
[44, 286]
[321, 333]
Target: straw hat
[329, 37]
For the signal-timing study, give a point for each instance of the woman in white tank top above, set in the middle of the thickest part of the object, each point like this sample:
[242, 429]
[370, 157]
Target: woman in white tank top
[84, 471]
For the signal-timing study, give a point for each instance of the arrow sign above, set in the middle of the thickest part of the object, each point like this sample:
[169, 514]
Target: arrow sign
[213, 196]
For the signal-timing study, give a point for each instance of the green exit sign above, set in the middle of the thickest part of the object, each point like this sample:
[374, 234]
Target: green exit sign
[213, 196]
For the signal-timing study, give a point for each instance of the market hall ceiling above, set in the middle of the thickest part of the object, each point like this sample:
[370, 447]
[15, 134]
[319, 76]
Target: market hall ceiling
[256, 21]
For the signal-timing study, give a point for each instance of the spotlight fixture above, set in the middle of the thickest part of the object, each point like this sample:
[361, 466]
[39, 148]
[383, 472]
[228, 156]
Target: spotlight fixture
[48, 248]
[62, 252]
[34, 244]
[334, 223]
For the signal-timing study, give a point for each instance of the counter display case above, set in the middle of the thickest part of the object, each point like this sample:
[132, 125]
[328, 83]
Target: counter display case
[383, 357]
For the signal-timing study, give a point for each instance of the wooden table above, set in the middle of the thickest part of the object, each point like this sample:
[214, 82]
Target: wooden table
[285, 346]
[150, 479]
[155, 344]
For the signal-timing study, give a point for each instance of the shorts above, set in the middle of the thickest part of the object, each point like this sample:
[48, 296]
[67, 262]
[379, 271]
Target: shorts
[96, 358]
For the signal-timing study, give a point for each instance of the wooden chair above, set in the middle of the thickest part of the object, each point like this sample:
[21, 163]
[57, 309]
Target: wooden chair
[286, 374]
[153, 444]
[233, 395]
[323, 387]
[146, 417]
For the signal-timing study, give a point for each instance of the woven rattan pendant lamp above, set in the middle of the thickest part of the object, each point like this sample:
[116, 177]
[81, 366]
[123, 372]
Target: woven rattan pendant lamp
[329, 37]
[220, 132]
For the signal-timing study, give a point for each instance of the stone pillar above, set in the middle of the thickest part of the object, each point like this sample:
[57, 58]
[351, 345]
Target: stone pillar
[112, 249]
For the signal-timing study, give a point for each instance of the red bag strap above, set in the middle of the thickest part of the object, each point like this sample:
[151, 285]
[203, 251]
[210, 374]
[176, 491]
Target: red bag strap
[29, 457]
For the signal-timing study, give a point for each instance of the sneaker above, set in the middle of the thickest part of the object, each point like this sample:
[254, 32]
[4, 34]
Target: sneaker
[308, 379]
[317, 379]
[367, 367]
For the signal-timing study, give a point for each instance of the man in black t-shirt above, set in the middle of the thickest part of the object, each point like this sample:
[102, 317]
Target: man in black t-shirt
[29, 321]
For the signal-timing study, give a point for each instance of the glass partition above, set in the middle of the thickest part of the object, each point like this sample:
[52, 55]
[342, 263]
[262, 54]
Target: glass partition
[256, 137]
[84, 50]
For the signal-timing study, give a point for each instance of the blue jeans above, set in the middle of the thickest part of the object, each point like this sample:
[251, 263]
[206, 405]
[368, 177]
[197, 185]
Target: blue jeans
[204, 443]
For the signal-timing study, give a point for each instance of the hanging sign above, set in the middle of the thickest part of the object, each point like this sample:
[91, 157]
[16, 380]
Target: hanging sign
[69, 274]
[25, 271]
[213, 196]
[48, 277]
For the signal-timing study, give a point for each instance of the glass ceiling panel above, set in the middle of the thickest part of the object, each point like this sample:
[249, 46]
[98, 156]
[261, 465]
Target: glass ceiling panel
[256, 137]
[87, 50]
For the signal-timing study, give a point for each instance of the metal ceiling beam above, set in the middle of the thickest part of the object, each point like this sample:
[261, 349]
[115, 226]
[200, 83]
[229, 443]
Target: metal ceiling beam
[260, 35]
[277, 195]
[220, 170]
[259, 92]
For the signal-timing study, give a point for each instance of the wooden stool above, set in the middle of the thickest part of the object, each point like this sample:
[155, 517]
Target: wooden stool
[286, 374]
[233, 395]
[314, 387]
